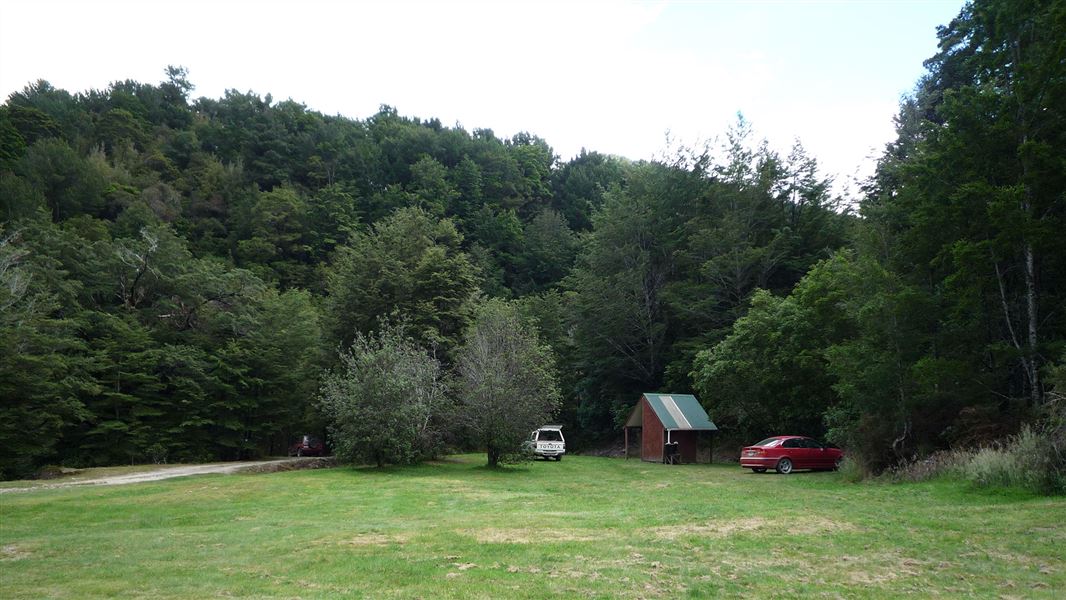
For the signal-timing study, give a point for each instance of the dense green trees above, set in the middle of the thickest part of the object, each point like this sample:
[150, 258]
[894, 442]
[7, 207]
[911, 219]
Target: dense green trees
[674, 257]
[39, 373]
[180, 270]
[177, 273]
[946, 313]
[966, 216]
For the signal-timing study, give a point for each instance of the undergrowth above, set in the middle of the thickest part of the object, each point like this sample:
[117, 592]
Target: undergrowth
[1033, 460]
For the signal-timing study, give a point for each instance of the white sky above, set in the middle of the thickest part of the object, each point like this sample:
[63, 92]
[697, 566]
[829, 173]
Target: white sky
[612, 77]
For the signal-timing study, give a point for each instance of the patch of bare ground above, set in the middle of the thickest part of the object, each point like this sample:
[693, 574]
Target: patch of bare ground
[282, 580]
[373, 539]
[876, 569]
[633, 576]
[13, 552]
[727, 527]
[460, 568]
[496, 535]
[1009, 557]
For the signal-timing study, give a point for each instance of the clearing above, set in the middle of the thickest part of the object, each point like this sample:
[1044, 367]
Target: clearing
[585, 527]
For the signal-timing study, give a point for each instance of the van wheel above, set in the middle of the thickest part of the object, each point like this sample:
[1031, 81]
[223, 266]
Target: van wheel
[558, 458]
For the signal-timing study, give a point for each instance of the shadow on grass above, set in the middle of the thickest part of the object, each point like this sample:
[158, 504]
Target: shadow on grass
[434, 468]
[772, 473]
[503, 470]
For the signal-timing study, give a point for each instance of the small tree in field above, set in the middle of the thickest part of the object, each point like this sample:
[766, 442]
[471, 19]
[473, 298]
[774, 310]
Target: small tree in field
[383, 400]
[507, 382]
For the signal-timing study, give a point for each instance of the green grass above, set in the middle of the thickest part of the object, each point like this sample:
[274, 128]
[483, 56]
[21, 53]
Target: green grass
[584, 527]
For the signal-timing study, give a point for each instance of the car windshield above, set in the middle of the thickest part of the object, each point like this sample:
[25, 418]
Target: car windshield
[769, 443]
[549, 435]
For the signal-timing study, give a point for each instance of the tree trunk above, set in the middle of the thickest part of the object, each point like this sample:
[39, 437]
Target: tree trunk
[494, 457]
[1035, 391]
[1027, 354]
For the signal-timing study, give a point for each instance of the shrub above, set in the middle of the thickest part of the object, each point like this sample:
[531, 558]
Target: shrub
[1033, 460]
[991, 467]
[853, 470]
[384, 400]
[946, 463]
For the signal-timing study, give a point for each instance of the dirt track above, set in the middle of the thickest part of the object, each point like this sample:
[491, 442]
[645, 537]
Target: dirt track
[182, 471]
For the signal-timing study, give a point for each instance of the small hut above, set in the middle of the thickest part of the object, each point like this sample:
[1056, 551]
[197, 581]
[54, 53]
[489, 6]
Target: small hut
[671, 429]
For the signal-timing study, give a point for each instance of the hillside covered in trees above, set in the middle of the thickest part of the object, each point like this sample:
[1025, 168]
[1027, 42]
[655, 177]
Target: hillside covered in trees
[179, 274]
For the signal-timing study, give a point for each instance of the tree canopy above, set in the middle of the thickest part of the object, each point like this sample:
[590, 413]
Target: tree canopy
[179, 275]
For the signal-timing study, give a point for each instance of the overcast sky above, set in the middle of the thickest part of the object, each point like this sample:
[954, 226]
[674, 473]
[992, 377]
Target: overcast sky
[612, 77]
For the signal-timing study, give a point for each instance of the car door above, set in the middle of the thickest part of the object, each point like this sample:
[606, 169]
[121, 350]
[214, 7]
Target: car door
[819, 457]
[793, 449]
[809, 450]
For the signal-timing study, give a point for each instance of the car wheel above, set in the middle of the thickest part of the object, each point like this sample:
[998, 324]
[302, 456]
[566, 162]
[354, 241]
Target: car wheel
[759, 470]
[784, 466]
[836, 465]
[300, 453]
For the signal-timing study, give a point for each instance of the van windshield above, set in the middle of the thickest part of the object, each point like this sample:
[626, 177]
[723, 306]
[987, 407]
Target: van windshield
[550, 435]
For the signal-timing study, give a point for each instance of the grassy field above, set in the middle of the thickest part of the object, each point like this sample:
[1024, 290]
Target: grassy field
[584, 527]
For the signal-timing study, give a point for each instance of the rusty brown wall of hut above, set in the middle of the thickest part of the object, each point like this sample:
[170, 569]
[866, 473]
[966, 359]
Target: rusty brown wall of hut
[652, 435]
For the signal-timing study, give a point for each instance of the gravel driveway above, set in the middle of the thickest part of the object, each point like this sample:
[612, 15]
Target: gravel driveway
[165, 472]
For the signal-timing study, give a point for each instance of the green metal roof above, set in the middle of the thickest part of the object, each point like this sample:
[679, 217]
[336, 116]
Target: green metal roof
[680, 412]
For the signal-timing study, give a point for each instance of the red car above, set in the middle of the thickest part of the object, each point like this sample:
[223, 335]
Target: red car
[308, 445]
[784, 453]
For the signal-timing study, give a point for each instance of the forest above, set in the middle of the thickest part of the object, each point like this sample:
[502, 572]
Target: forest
[179, 276]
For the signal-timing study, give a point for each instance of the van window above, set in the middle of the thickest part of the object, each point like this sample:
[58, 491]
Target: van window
[550, 435]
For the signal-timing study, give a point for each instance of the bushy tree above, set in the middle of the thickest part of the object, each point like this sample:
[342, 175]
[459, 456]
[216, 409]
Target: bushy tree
[385, 400]
[409, 265]
[506, 380]
[769, 376]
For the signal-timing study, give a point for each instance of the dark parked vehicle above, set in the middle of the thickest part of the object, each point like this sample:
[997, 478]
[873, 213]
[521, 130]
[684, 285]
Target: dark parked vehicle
[308, 445]
[784, 453]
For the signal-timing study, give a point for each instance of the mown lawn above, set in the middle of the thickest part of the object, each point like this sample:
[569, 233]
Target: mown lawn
[584, 527]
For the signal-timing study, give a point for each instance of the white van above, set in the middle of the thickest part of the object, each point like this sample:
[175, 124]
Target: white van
[548, 442]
